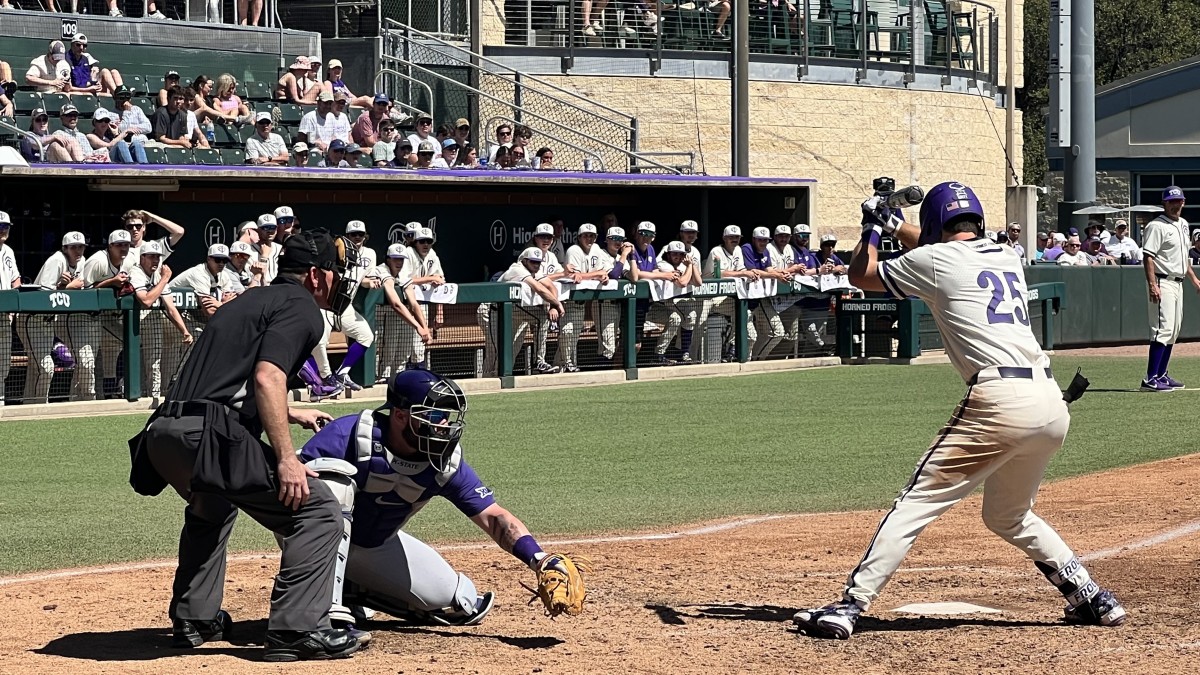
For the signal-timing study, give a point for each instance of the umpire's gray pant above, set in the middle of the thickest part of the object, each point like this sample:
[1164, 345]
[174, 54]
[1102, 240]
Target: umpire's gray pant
[310, 537]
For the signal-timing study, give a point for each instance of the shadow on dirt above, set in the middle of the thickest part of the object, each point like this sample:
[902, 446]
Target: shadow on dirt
[731, 612]
[148, 644]
[403, 627]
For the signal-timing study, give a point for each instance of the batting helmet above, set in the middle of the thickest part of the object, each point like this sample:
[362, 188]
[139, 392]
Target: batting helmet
[437, 410]
[946, 204]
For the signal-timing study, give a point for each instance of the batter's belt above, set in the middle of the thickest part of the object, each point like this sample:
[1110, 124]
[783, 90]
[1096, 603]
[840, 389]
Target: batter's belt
[1007, 373]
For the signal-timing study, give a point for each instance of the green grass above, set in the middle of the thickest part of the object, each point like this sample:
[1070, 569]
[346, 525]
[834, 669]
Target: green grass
[608, 458]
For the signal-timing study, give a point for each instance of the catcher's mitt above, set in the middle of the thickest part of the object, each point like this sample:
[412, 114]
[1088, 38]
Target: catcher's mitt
[560, 584]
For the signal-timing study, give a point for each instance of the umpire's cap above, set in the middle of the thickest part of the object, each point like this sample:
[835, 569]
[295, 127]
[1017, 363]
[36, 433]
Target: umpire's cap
[310, 248]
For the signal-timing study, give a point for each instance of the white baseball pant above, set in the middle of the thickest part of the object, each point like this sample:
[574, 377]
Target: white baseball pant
[769, 325]
[606, 316]
[726, 306]
[37, 334]
[351, 324]
[112, 340]
[412, 348]
[488, 318]
[1002, 435]
[806, 326]
[570, 325]
[5, 350]
[81, 334]
[390, 343]
[156, 378]
[664, 315]
[1166, 316]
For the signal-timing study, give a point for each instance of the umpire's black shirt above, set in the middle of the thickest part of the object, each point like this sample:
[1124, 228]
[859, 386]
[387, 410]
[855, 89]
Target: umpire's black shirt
[280, 324]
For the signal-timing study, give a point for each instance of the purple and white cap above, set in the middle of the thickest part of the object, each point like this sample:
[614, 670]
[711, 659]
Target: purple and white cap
[397, 251]
[1172, 193]
[675, 247]
[945, 204]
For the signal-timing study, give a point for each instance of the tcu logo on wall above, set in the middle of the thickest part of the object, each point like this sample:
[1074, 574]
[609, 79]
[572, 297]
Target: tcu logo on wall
[60, 300]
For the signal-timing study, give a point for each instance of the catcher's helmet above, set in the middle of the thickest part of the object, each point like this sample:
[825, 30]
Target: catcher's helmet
[437, 412]
[946, 204]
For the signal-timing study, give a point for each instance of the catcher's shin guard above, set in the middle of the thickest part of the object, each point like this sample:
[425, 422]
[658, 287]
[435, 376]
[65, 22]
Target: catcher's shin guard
[1087, 603]
[469, 608]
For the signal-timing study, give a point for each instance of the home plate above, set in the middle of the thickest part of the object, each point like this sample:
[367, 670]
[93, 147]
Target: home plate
[945, 608]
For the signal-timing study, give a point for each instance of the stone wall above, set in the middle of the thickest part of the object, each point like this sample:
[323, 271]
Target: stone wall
[1112, 189]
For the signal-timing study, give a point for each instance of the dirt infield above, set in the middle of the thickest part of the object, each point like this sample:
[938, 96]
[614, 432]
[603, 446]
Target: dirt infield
[715, 602]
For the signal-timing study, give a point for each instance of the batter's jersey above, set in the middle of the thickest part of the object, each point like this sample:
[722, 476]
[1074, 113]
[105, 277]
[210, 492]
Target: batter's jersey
[392, 489]
[99, 268]
[1166, 241]
[54, 267]
[731, 261]
[8, 268]
[976, 292]
[135, 252]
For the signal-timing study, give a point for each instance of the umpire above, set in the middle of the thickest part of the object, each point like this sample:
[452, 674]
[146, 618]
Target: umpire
[204, 440]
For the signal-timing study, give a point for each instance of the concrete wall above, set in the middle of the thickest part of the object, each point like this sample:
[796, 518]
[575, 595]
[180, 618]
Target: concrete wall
[1112, 188]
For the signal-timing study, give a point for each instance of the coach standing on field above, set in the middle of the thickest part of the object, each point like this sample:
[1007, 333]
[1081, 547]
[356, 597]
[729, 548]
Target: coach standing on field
[1165, 245]
[204, 440]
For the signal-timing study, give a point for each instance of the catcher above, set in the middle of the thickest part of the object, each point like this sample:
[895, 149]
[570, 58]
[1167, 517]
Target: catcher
[385, 465]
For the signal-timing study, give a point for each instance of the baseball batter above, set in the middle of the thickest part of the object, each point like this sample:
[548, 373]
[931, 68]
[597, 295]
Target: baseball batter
[1166, 263]
[61, 272]
[10, 277]
[1007, 427]
[590, 263]
[405, 310]
[726, 261]
[384, 466]
[350, 322]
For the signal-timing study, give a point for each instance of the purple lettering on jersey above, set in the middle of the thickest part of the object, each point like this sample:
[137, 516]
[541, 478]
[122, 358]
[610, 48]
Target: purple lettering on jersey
[988, 279]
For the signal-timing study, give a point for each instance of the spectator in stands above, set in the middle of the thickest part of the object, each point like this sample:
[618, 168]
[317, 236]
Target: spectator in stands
[1122, 246]
[517, 158]
[335, 85]
[1095, 228]
[336, 155]
[425, 152]
[590, 27]
[1014, 239]
[1194, 251]
[171, 79]
[545, 159]
[384, 151]
[194, 133]
[8, 86]
[300, 154]
[202, 88]
[6, 105]
[449, 156]
[58, 149]
[424, 127]
[722, 8]
[338, 123]
[132, 117]
[1043, 239]
[227, 102]
[354, 154]
[69, 116]
[443, 132]
[521, 137]
[502, 158]
[366, 128]
[1072, 254]
[462, 136]
[314, 128]
[404, 152]
[123, 146]
[87, 77]
[296, 85]
[249, 11]
[1051, 254]
[468, 159]
[504, 135]
[170, 123]
[50, 72]
[265, 147]
[1095, 251]
[152, 11]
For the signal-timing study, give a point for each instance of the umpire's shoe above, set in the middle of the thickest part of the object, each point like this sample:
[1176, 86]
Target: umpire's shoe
[1103, 609]
[835, 621]
[296, 645]
[186, 634]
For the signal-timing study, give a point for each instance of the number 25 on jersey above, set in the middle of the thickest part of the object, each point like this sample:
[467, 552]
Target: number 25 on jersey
[1004, 291]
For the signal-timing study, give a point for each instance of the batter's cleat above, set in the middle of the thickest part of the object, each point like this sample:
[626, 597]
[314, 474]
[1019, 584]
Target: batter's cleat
[294, 645]
[1102, 610]
[349, 383]
[1155, 384]
[834, 621]
[186, 634]
[1170, 381]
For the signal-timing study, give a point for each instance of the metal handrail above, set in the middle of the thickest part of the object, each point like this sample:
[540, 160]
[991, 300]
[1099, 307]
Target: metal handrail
[30, 136]
[506, 69]
[410, 78]
[581, 150]
[514, 106]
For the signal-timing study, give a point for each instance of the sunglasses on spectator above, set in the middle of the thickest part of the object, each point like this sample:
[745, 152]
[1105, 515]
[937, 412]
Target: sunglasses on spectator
[425, 154]
[465, 127]
[263, 123]
[617, 239]
[70, 115]
[1070, 245]
[135, 226]
[267, 228]
[41, 118]
[286, 220]
[425, 123]
[504, 133]
[357, 234]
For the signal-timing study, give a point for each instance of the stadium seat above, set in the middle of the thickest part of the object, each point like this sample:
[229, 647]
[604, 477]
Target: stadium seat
[179, 156]
[228, 136]
[54, 125]
[5, 132]
[21, 122]
[355, 113]
[146, 104]
[366, 161]
[207, 156]
[156, 155]
[290, 114]
[305, 109]
[25, 101]
[233, 157]
[287, 133]
[258, 91]
[267, 107]
[54, 102]
[86, 103]
[314, 159]
[137, 85]
[244, 133]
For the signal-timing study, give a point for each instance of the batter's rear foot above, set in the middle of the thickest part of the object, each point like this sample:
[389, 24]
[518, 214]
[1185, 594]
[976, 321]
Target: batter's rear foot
[1103, 609]
[291, 645]
[834, 621]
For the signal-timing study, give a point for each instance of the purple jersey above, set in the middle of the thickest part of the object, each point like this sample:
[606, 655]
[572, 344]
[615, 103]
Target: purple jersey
[807, 258]
[647, 262]
[390, 489]
[755, 260]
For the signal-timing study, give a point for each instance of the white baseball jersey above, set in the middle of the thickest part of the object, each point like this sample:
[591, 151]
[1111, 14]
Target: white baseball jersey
[1166, 241]
[8, 268]
[693, 253]
[781, 258]
[366, 267]
[550, 265]
[99, 268]
[55, 267]
[604, 261]
[269, 259]
[135, 252]
[976, 291]
[430, 265]
[141, 281]
[559, 249]
[198, 279]
[731, 261]
[595, 259]
[516, 273]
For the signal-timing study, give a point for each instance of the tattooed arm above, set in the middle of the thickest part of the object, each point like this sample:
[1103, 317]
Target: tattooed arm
[503, 527]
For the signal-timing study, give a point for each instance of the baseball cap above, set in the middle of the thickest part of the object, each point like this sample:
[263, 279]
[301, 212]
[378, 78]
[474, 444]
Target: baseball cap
[615, 233]
[151, 248]
[462, 122]
[1043, 236]
[100, 115]
[314, 60]
[170, 74]
[543, 228]
[689, 226]
[587, 228]
[381, 98]
[1196, 235]
[802, 229]
[4, 219]
[1072, 231]
[675, 247]
[122, 92]
[267, 220]
[397, 251]
[427, 146]
[732, 231]
[532, 253]
[74, 239]
[989, 234]
[341, 95]
[424, 233]
[284, 212]
[300, 147]
[353, 147]
[119, 237]
[68, 109]
[248, 225]
[1060, 237]
[57, 47]
[325, 96]
[337, 145]
[1172, 193]
[411, 228]
[262, 117]
[449, 143]
[335, 63]
[645, 226]
[240, 247]
[424, 116]
[404, 143]
[310, 248]
[356, 226]
[1095, 239]
[79, 38]
[38, 112]
[783, 229]
[761, 233]
[1121, 222]
[826, 238]
[218, 251]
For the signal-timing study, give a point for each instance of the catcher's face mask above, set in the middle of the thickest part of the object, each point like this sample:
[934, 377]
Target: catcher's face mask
[436, 425]
[343, 284]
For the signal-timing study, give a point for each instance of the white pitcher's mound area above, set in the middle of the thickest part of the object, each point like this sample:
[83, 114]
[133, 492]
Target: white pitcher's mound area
[945, 608]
